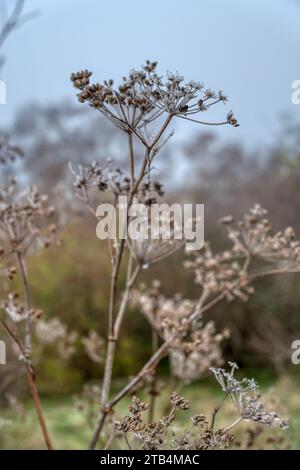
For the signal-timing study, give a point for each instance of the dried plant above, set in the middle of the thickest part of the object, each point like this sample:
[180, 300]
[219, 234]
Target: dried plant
[246, 397]
[144, 96]
[26, 224]
[93, 346]
[195, 347]
[224, 276]
[142, 107]
[12, 16]
[202, 434]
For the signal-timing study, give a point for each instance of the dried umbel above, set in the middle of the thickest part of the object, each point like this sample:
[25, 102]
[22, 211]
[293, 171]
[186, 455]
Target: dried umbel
[144, 96]
[143, 106]
[255, 252]
[202, 435]
[93, 346]
[26, 219]
[223, 276]
[51, 331]
[151, 248]
[102, 178]
[94, 178]
[55, 332]
[160, 310]
[133, 422]
[164, 433]
[246, 397]
[67, 348]
[26, 223]
[149, 437]
[17, 311]
[178, 402]
[157, 234]
[207, 437]
[220, 273]
[253, 236]
[194, 347]
[154, 239]
[125, 107]
[193, 356]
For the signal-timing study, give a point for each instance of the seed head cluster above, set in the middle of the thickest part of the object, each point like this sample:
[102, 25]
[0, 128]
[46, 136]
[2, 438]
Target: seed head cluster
[194, 346]
[253, 243]
[26, 219]
[246, 397]
[144, 96]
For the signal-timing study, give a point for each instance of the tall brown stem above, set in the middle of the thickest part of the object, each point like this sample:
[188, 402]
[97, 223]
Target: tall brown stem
[112, 336]
[153, 384]
[32, 384]
[27, 352]
[153, 361]
[24, 275]
[39, 409]
[132, 158]
[200, 308]
[115, 333]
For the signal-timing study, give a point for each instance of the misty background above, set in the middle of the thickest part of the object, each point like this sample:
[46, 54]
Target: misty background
[250, 50]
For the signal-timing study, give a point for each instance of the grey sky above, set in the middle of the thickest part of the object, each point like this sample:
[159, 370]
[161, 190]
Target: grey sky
[250, 49]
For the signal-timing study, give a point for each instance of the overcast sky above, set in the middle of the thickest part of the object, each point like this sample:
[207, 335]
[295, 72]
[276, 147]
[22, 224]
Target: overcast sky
[250, 49]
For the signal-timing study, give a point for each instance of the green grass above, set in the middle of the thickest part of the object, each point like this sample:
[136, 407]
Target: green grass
[70, 430]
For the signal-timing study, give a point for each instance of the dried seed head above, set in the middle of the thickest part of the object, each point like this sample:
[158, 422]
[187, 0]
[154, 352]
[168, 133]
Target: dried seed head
[179, 402]
[246, 397]
[93, 346]
[143, 96]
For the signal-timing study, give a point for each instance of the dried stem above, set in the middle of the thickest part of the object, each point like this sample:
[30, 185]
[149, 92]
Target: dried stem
[153, 361]
[25, 281]
[216, 411]
[114, 325]
[115, 333]
[32, 384]
[233, 424]
[132, 158]
[12, 22]
[39, 409]
[141, 99]
[127, 441]
[157, 356]
[153, 384]
[26, 350]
